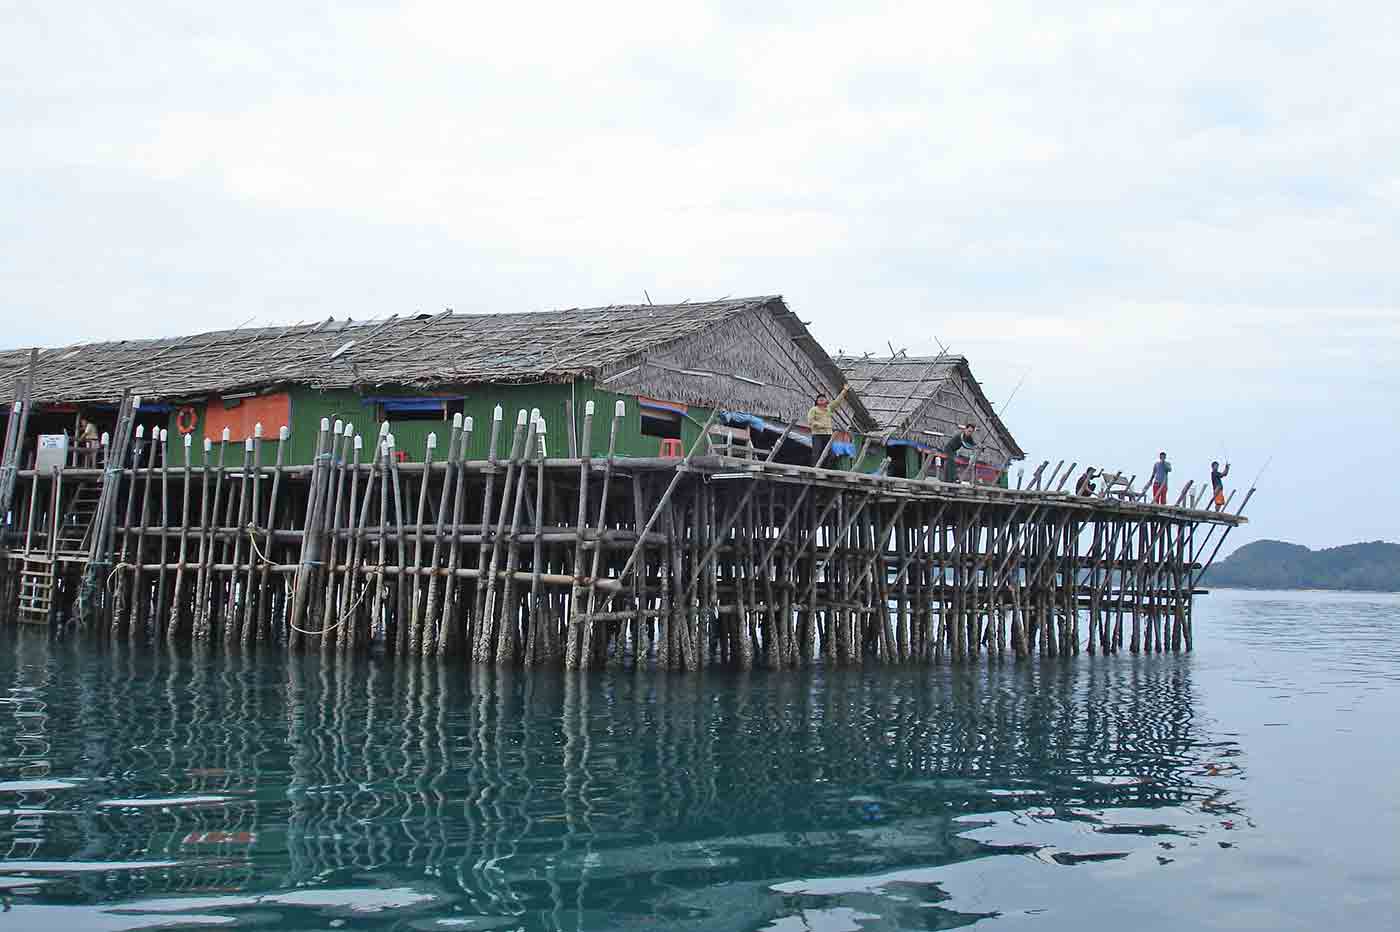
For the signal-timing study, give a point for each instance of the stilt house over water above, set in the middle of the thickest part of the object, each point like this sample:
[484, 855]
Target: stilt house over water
[630, 522]
[918, 403]
[670, 363]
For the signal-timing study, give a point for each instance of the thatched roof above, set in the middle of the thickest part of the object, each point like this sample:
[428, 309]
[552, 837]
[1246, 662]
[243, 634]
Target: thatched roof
[912, 396]
[419, 351]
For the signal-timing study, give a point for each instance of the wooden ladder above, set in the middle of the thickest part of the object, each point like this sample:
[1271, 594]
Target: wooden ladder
[36, 591]
[77, 520]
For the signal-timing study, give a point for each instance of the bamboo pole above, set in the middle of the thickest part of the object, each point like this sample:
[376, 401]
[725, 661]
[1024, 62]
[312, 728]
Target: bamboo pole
[429, 639]
[203, 603]
[579, 657]
[264, 596]
[486, 603]
[350, 633]
[399, 640]
[380, 582]
[158, 607]
[175, 608]
[445, 639]
[122, 604]
[577, 600]
[310, 551]
[138, 596]
[415, 621]
[342, 438]
[232, 615]
[507, 633]
[536, 640]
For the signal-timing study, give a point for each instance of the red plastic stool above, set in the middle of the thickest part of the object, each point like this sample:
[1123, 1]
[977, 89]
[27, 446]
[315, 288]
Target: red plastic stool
[672, 448]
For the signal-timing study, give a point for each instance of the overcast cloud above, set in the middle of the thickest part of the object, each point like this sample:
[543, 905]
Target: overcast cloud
[1179, 224]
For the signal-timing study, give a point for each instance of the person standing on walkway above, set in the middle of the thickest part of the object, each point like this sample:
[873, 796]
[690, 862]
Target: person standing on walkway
[1217, 484]
[88, 442]
[819, 422]
[1160, 471]
[962, 438]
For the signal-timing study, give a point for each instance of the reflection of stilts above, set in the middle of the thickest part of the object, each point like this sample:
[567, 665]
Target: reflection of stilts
[515, 791]
[29, 711]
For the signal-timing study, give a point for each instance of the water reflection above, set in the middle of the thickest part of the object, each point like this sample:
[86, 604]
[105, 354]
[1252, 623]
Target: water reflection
[257, 788]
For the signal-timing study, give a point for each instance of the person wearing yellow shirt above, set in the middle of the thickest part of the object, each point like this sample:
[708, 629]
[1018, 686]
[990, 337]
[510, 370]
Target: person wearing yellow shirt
[819, 422]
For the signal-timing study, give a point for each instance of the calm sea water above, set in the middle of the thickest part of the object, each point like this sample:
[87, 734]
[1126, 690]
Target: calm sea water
[1252, 785]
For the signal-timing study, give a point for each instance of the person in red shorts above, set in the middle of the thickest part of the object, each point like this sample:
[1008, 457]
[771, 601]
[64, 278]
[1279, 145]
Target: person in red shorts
[1160, 470]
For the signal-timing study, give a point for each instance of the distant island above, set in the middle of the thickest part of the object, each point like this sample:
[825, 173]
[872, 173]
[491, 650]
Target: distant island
[1273, 564]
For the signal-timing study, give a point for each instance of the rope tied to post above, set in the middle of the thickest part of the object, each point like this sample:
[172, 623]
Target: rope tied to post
[253, 542]
[121, 565]
[370, 571]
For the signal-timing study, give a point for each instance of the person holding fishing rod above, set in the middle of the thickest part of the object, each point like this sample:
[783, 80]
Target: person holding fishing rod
[1217, 484]
[963, 438]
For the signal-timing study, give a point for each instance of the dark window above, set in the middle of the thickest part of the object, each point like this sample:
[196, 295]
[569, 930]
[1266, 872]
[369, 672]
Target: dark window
[419, 409]
[658, 422]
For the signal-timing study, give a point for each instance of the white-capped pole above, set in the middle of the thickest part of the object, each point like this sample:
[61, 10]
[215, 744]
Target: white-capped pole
[432, 441]
[257, 430]
[457, 420]
[248, 444]
[498, 414]
[383, 428]
[283, 432]
[539, 425]
[534, 414]
[359, 442]
[620, 408]
[107, 438]
[189, 440]
[521, 418]
[588, 408]
[140, 431]
[135, 402]
[325, 423]
[164, 434]
[208, 445]
[467, 423]
[339, 427]
[227, 435]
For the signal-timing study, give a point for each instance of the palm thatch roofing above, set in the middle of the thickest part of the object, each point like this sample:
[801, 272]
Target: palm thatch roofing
[415, 352]
[914, 397]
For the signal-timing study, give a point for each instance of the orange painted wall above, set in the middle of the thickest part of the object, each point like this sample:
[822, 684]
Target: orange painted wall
[274, 411]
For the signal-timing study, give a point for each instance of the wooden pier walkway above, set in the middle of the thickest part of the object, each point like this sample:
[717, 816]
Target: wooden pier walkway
[596, 559]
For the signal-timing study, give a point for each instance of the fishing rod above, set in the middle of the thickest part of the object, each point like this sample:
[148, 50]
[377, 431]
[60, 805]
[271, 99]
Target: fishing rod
[1007, 403]
[1255, 484]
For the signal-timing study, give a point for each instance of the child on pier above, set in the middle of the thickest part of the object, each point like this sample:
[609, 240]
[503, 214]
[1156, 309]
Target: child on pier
[1160, 470]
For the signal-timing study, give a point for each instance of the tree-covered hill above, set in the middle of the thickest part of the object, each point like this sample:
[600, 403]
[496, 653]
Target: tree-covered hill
[1273, 564]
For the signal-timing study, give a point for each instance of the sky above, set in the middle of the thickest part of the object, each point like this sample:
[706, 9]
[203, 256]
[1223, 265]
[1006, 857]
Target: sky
[1173, 226]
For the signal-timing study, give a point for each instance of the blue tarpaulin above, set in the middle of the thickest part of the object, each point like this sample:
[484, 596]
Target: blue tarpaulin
[146, 407]
[393, 403]
[740, 419]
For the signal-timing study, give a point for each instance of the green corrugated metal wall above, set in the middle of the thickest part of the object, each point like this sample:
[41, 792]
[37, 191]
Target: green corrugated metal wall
[411, 436]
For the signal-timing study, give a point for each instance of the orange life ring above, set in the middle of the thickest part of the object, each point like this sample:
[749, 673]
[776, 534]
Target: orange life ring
[186, 419]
